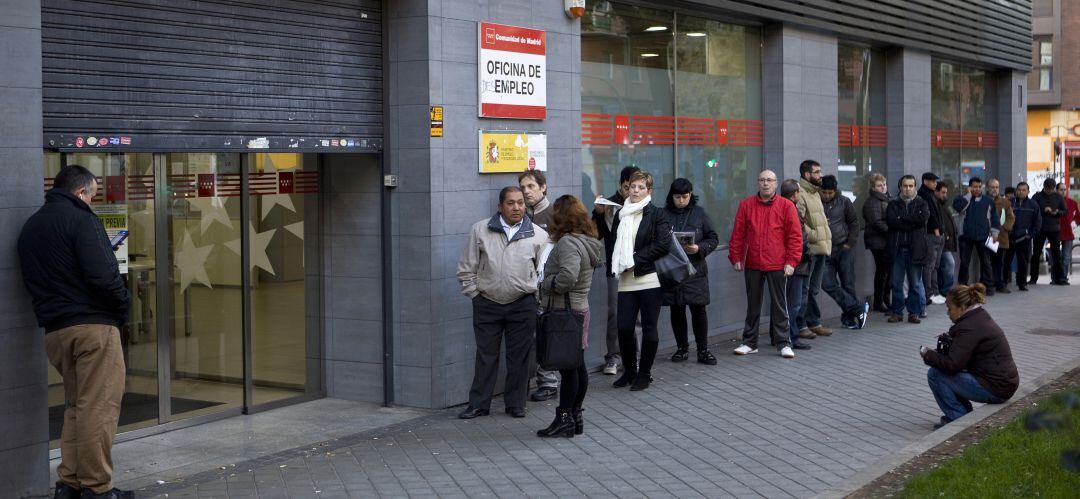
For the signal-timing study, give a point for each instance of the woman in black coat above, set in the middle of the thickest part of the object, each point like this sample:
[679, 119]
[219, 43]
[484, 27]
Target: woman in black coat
[686, 216]
[877, 239]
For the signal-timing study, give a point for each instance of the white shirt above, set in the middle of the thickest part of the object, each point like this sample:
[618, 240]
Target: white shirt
[510, 230]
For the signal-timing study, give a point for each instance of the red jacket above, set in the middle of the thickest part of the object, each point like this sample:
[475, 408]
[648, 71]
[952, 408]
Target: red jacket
[766, 235]
[1072, 214]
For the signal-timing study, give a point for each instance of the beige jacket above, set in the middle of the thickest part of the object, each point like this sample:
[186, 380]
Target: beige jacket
[812, 213]
[1002, 203]
[500, 270]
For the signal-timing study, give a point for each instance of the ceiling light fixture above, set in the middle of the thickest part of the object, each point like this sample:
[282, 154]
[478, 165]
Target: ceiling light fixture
[650, 54]
[695, 34]
[656, 28]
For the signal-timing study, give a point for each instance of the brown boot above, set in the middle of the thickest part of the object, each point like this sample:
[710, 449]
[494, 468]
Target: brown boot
[913, 318]
[807, 334]
[821, 330]
[895, 318]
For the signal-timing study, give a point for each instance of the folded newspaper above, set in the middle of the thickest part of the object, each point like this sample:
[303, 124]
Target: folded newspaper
[991, 242]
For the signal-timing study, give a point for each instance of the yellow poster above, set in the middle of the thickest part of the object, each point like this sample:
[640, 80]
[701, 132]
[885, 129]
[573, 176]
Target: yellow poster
[512, 151]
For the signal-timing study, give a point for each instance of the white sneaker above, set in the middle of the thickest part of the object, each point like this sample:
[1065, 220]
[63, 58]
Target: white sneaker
[745, 350]
[787, 353]
[937, 300]
[612, 368]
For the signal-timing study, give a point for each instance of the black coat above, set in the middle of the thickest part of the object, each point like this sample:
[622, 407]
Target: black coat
[604, 233]
[695, 290]
[907, 227]
[979, 347]
[653, 239]
[934, 222]
[1051, 222]
[876, 231]
[69, 268]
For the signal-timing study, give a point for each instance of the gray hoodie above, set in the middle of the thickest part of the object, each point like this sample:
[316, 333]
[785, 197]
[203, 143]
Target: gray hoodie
[569, 271]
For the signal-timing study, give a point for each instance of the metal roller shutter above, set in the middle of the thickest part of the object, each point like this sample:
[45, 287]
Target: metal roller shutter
[168, 75]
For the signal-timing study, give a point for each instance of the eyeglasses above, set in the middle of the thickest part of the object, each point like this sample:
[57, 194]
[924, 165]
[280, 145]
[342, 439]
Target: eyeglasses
[767, 180]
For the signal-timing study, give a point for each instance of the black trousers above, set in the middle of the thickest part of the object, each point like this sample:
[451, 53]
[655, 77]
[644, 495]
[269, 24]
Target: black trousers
[699, 319]
[882, 282]
[647, 303]
[970, 249]
[1021, 250]
[778, 317]
[1054, 238]
[491, 321]
[575, 382]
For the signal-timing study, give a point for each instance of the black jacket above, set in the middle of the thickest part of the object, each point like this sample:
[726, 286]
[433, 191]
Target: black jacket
[907, 227]
[948, 225]
[877, 230]
[1051, 222]
[843, 221]
[653, 239]
[934, 222]
[604, 233]
[979, 347]
[1028, 219]
[695, 290]
[69, 267]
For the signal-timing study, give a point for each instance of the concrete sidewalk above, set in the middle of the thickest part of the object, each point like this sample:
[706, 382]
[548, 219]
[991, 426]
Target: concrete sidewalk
[751, 426]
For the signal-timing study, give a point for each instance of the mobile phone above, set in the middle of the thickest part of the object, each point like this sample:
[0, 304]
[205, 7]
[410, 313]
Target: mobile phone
[118, 238]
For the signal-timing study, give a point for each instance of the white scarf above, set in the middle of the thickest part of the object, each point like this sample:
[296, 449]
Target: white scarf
[622, 257]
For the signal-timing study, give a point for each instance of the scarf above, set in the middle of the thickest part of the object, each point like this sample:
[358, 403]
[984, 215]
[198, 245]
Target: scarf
[622, 257]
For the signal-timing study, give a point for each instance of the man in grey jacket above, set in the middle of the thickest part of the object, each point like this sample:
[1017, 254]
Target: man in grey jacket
[498, 271]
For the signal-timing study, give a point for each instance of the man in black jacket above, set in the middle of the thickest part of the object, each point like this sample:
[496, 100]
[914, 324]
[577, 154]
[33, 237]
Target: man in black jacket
[1051, 208]
[935, 239]
[839, 278]
[79, 298]
[906, 216]
[1024, 230]
[604, 217]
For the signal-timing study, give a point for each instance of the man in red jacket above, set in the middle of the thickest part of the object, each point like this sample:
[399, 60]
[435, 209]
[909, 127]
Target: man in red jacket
[1072, 214]
[766, 242]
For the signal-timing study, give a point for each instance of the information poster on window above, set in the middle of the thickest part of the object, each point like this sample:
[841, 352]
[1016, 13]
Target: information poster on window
[115, 219]
[503, 151]
[512, 72]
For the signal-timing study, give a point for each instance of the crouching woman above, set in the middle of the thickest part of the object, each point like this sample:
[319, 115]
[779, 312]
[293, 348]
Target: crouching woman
[977, 365]
[568, 273]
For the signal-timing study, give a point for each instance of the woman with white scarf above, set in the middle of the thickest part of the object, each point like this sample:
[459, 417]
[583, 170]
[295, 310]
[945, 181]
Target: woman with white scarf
[643, 236]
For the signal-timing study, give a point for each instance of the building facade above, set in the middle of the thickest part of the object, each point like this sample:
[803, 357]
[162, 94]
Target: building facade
[298, 177]
[1054, 96]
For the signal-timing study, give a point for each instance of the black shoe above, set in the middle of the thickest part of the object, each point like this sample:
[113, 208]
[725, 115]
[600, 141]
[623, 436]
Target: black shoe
[544, 393]
[680, 355]
[706, 357]
[641, 382]
[1003, 290]
[1061, 282]
[562, 426]
[990, 292]
[627, 378]
[579, 421]
[112, 494]
[65, 491]
[942, 422]
[516, 412]
[1022, 288]
[470, 413]
[1032, 281]
[800, 346]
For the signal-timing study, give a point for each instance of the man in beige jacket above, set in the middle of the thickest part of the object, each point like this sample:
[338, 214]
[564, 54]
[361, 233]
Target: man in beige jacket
[812, 213]
[497, 270]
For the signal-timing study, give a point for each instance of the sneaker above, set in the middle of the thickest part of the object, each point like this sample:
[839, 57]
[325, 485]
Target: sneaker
[65, 491]
[922, 315]
[787, 353]
[860, 320]
[706, 357]
[611, 368]
[745, 350]
[112, 494]
[942, 422]
[544, 393]
[914, 319]
[895, 318]
[807, 334]
[680, 355]
[937, 300]
[821, 330]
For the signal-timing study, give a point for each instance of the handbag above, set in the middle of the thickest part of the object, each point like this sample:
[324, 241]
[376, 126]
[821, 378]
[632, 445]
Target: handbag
[558, 338]
[674, 268]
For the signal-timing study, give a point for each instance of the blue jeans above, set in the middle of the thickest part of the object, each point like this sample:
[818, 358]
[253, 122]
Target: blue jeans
[916, 298]
[839, 281]
[794, 304]
[811, 314]
[955, 392]
[946, 272]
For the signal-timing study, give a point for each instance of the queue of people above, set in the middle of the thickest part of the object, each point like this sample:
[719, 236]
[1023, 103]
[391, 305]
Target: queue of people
[796, 236]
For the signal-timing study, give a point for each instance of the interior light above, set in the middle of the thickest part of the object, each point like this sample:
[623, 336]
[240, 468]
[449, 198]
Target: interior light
[656, 28]
[695, 34]
[650, 54]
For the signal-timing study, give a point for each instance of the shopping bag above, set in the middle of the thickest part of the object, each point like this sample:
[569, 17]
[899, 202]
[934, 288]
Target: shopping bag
[674, 268]
[558, 338]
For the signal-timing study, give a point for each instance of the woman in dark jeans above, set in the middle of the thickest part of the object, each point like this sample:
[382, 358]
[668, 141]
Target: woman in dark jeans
[643, 235]
[568, 276]
[877, 237]
[686, 216]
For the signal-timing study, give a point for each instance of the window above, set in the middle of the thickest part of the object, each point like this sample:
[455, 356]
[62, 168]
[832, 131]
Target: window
[963, 135]
[861, 130]
[1042, 8]
[1041, 78]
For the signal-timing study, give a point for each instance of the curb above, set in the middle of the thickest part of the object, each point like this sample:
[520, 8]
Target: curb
[888, 463]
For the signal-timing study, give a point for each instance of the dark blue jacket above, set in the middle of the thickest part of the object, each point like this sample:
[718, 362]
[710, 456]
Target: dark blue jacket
[979, 217]
[1028, 219]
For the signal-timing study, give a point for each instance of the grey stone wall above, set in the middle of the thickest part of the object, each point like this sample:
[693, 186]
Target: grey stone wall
[24, 434]
[907, 114]
[1012, 94]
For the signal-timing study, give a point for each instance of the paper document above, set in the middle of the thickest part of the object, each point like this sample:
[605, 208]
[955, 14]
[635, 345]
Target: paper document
[991, 243]
[605, 201]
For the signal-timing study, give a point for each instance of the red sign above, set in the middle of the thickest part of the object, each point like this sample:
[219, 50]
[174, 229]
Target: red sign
[207, 185]
[114, 189]
[285, 183]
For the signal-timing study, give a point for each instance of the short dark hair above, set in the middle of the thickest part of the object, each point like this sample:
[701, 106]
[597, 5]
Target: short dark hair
[807, 166]
[900, 182]
[74, 177]
[829, 182]
[626, 173]
[789, 188]
[1010, 190]
[1050, 183]
[974, 180]
[680, 186]
[1025, 184]
[929, 176]
[941, 186]
[536, 175]
[507, 190]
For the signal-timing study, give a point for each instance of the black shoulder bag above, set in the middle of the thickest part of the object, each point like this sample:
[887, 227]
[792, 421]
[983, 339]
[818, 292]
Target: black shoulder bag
[558, 338]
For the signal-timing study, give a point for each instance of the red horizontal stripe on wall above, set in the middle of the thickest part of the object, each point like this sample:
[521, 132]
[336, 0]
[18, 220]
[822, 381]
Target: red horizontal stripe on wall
[966, 139]
[513, 111]
[608, 129]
